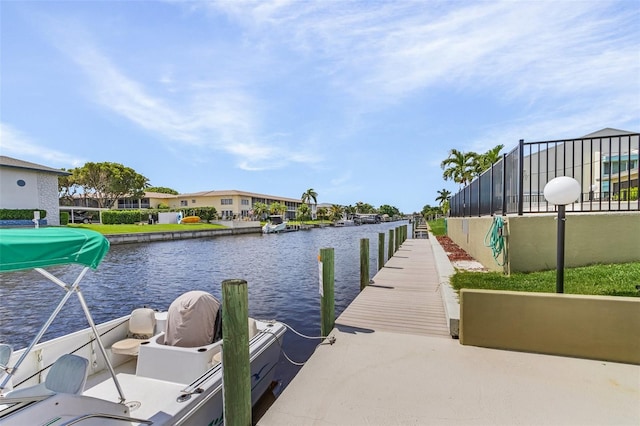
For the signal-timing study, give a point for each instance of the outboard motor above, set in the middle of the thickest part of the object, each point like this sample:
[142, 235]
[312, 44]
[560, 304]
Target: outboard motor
[191, 320]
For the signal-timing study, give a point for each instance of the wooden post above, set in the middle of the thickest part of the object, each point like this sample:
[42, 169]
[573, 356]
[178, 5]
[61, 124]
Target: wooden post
[380, 250]
[364, 263]
[327, 301]
[236, 369]
[397, 240]
[391, 243]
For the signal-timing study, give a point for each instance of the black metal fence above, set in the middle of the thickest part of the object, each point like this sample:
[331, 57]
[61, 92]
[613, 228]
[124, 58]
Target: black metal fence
[605, 166]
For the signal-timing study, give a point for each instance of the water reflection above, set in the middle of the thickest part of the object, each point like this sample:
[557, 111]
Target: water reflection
[281, 270]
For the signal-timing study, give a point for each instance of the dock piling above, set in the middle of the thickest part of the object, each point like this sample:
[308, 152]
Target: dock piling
[327, 301]
[380, 250]
[364, 263]
[391, 244]
[236, 370]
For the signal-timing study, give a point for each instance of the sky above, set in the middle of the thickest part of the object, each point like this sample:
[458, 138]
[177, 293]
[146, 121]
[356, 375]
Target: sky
[360, 101]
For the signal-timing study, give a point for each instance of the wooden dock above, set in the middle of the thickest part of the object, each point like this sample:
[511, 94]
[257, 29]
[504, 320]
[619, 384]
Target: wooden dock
[393, 363]
[403, 298]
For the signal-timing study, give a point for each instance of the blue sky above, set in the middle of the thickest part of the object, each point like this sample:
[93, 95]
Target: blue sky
[360, 101]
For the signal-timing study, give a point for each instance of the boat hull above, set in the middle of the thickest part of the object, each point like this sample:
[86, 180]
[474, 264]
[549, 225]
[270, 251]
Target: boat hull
[153, 389]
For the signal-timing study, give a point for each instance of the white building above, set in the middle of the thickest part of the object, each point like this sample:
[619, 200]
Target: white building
[25, 185]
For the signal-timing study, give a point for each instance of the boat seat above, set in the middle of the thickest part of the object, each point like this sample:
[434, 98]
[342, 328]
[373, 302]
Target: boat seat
[253, 331]
[5, 355]
[142, 324]
[67, 375]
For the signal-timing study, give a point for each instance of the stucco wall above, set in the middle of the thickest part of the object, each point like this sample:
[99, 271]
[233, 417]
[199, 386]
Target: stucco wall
[612, 237]
[40, 191]
[595, 327]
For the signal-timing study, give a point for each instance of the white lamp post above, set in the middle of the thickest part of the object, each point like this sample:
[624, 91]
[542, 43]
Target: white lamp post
[561, 191]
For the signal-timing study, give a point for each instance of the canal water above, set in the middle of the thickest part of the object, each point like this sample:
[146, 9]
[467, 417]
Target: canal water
[281, 271]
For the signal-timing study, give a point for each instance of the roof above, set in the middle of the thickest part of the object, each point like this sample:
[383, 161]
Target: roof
[25, 165]
[608, 131]
[230, 192]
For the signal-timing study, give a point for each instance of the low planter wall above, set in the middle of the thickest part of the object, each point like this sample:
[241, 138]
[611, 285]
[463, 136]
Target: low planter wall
[595, 327]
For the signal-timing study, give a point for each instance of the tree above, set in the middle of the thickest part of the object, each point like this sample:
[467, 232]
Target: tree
[459, 166]
[277, 208]
[304, 212]
[309, 195]
[349, 210]
[485, 161]
[68, 188]
[322, 212]
[259, 210]
[365, 207]
[391, 211]
[443, 195]
[335, 212]
[107, 182]
[162, 190]
[429, 212]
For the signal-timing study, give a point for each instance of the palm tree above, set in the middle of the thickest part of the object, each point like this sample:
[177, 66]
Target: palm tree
[486, 160]
[260, 209]
[336, 211]
[322, 212]
[443, 195]
[309, 195]
[277, 208]
[459, 166]
[304, 212]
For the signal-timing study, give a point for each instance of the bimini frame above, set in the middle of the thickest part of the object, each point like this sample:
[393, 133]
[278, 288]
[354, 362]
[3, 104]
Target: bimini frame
[70, 289]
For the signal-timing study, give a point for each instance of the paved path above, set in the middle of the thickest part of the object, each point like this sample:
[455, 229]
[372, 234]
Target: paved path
[382, 371]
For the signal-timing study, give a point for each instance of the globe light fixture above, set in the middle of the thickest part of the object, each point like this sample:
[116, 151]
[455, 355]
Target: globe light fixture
[561, 191]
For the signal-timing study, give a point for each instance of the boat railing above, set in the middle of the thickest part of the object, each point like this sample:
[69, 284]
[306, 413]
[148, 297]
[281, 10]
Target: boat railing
[84, 417]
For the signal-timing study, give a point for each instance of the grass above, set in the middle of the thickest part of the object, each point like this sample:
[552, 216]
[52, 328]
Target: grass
[136, 229]
[601, 280]
[438, 227]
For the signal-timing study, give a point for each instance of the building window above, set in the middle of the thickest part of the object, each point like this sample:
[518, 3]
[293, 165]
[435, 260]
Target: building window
[184, 203]
[226, 201]
[193, 201]
[245, 202]
[20, 182]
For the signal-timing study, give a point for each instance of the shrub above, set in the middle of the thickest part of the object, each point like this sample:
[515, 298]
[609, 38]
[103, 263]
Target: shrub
[124, 217]
[20, 214]
[64, 218]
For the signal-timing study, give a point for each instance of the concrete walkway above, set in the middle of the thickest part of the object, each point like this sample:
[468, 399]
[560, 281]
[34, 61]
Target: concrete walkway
[387, 373]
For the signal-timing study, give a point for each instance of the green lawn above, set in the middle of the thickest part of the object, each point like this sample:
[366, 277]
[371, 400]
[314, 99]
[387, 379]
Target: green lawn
[134, 229]
[603, 280]
[438, 227]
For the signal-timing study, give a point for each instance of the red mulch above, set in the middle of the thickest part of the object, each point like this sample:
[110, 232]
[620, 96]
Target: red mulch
[453, 251]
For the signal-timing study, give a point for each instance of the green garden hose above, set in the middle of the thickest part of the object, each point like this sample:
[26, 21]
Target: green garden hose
[495, 240]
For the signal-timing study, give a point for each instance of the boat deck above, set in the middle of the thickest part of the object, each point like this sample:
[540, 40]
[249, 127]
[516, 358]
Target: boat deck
[393, 364]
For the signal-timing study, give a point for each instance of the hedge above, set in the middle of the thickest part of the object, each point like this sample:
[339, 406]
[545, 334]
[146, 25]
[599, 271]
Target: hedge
[20, 214]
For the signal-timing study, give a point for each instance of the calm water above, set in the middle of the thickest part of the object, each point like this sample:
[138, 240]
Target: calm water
[281, 271]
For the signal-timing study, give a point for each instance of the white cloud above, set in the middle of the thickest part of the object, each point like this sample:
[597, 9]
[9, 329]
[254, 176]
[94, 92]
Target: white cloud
[386, 50]
[204, 114]
[14, 143]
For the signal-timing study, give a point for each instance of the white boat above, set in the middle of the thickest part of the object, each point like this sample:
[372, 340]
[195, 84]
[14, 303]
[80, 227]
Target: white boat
[275, 225]
[142, 369]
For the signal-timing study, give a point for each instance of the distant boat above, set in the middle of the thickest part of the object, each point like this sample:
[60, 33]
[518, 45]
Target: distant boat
[275, 224]
[346, 222]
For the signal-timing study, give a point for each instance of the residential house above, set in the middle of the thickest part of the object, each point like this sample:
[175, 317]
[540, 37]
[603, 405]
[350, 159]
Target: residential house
[25, 185]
